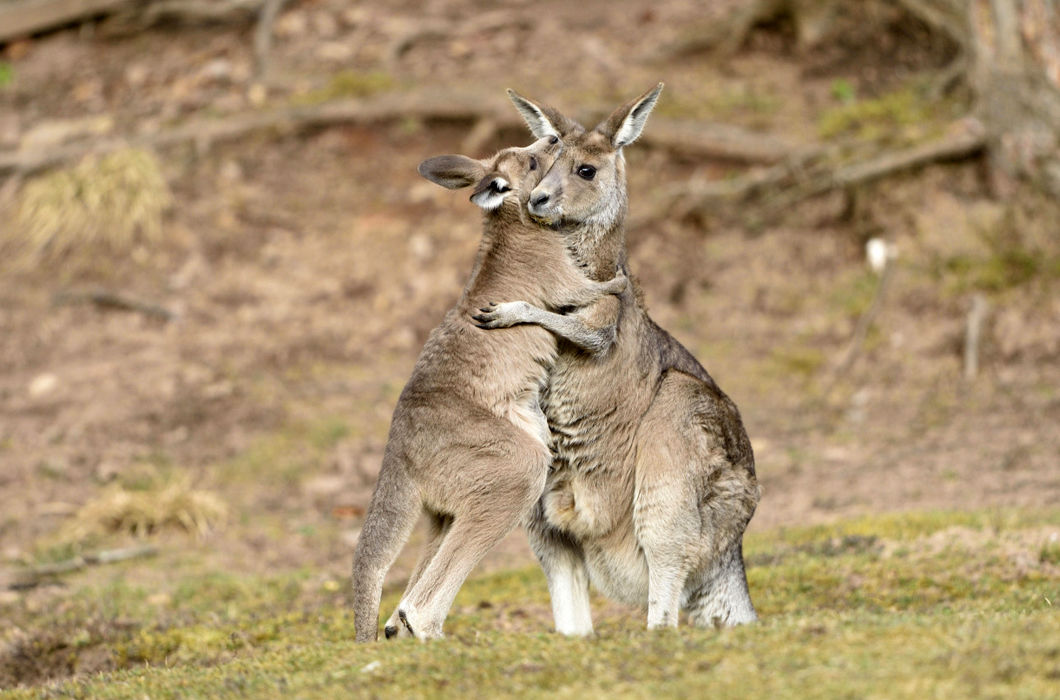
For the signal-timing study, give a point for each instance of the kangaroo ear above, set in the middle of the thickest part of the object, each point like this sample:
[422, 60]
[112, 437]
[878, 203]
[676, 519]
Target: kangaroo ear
[624, 125]
[452, 171]
[491, 191]
[542, 119]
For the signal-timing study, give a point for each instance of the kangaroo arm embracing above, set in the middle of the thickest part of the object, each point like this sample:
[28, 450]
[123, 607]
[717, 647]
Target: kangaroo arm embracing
[592, 329]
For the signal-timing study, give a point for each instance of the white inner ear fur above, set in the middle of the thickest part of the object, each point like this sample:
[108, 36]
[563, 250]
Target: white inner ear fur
[634, 122]
[492, 196]
[539, 124]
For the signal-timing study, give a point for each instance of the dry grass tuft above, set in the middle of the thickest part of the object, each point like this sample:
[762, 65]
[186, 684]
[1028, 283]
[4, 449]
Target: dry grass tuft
[111, 200]
[171, 503]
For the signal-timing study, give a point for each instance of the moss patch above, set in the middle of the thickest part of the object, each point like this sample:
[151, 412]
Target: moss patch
[920, 604]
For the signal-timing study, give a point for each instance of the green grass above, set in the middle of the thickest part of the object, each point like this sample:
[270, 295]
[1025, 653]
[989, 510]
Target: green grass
[869, 119]
[937, 604]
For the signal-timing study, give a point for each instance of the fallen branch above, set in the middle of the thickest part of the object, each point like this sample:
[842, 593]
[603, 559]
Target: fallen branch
[27, 17]
[701, 140]
[22, 18]
[804, 174]
[433, 29]
[114, 300]
[32, 577]
[263, 37]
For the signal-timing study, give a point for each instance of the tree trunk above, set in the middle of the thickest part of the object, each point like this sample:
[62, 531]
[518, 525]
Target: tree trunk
[1012, 64]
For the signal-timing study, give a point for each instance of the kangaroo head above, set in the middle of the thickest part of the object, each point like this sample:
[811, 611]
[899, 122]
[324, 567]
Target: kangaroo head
[507, 177]
[586, 186]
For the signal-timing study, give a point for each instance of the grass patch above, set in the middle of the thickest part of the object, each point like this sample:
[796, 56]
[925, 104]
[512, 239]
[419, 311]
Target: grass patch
[284, 458]
[907, 112]
[796, 360]
[885, 604]
[1019, 251]
[110, 202]
[347, 83]
[166, 502]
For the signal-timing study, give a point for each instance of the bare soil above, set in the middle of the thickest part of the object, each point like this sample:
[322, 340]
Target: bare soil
[308, 269]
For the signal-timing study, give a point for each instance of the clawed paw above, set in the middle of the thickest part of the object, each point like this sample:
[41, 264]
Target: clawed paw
[502, 315]
[487, 317]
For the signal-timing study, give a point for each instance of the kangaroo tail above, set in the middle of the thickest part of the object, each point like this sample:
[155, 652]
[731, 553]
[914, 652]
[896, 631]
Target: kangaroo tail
[395, 506]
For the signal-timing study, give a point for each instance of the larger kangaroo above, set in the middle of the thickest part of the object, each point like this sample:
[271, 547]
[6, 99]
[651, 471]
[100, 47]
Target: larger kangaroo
[652, 481]
[468, 442]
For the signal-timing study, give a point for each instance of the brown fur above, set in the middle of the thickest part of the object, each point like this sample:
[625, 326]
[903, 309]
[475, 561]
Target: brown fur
[653, 479]
[468, 442]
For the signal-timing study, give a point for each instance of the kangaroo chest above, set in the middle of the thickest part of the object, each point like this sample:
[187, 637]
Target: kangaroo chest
[590, 483]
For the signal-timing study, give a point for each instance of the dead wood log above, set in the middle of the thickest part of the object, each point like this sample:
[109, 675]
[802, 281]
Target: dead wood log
[702, 140]
[24, 18]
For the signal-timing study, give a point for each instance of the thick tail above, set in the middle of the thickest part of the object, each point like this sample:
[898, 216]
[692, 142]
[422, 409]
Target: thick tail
[391, 516]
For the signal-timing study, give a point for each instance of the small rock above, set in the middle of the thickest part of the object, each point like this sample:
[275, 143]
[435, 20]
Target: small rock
[291, 24]
[219, 69]
[374, 666]
[43, 384]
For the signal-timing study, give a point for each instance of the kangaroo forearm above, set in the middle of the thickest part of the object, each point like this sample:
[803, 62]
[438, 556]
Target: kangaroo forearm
[585, 337]
[594, 291]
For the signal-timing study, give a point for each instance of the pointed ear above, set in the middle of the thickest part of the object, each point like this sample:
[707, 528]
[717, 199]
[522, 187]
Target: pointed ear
[542, 119]
[624, 125]
[491, 191]
[452, 171]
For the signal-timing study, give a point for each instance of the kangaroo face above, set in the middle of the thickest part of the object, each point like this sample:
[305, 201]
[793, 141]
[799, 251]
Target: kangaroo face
[586, 186]
[503, 180]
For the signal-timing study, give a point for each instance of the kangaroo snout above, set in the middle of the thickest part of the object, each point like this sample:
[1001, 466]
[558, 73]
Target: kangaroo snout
[538, 200]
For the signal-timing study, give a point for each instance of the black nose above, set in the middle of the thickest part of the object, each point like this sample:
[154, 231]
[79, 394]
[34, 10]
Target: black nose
[390, 631]
[539, 200]
[553, 139]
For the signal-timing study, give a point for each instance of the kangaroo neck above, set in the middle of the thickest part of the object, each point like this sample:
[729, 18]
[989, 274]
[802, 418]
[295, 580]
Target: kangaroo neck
[514, 261]
[599, 248]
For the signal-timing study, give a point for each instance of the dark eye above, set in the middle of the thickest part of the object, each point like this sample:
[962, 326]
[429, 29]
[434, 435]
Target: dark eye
[533, 163]
[586, 172]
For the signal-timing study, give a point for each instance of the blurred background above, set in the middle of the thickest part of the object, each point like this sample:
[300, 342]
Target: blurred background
[218, 264]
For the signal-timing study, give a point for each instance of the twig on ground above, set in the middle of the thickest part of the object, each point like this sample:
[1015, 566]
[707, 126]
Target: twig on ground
[861, 330]
[32, 577]
[972, 334]
[114, 300]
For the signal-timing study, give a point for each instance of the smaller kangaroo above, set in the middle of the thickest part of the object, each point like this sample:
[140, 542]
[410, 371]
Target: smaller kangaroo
[468, 442]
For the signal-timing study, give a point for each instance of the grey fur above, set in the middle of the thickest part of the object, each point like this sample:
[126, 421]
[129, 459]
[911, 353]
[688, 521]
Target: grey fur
[468, 441]
[652, 482]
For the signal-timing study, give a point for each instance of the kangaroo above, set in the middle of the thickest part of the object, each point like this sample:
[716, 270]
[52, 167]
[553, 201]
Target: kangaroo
[468, 442]
[652, 482]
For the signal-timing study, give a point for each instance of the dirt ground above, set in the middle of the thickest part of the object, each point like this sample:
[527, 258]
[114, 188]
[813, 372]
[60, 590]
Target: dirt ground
[307, 268]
